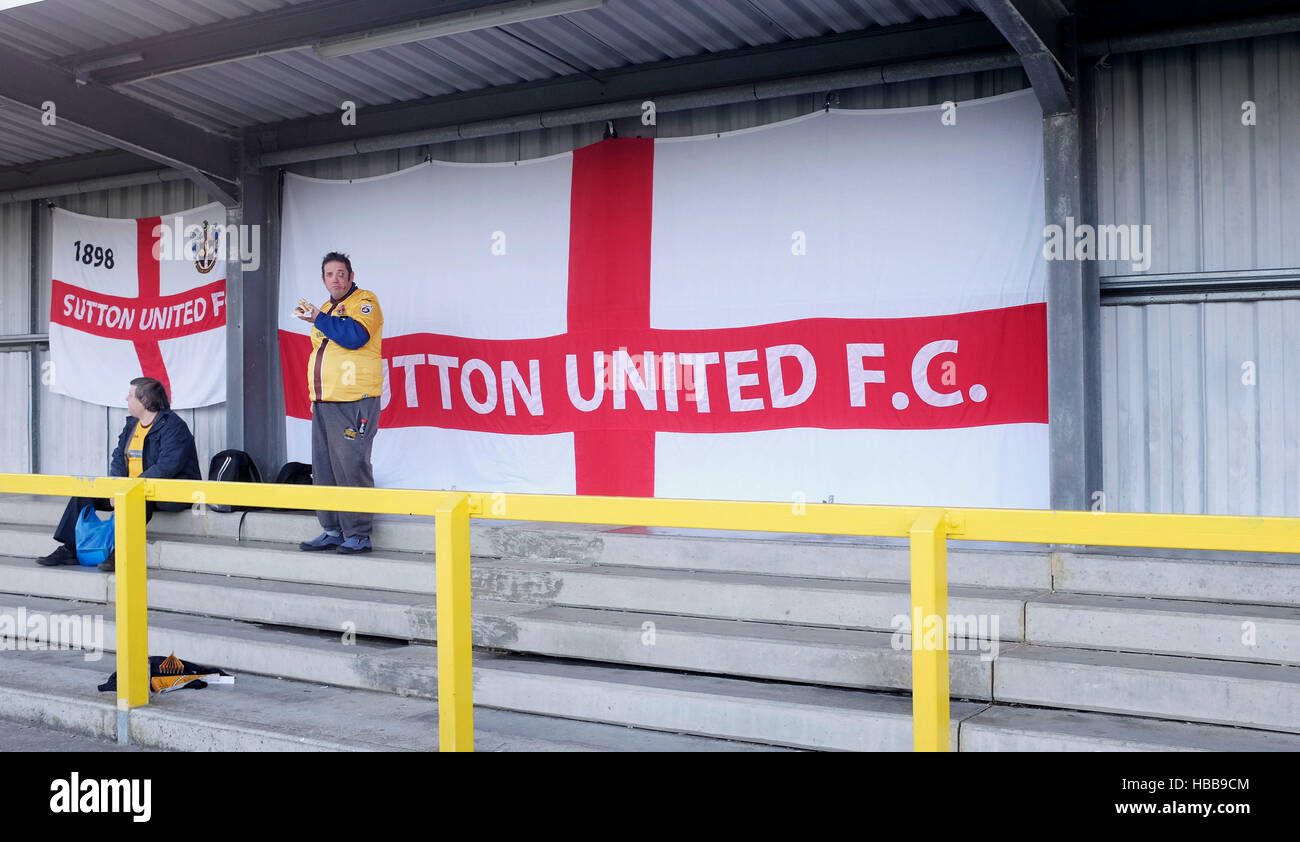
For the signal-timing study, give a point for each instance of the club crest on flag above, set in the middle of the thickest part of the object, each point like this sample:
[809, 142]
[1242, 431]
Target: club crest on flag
[209, 249]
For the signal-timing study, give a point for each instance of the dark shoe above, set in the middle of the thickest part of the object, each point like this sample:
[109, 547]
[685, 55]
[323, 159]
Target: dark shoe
[355, 544]
[107, 564]
[323, 541]
[61, 555]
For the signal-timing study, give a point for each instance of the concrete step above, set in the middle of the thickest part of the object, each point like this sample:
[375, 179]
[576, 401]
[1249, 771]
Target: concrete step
[228, 557]
[837, 657]
[803, 654]
[827, 557]
[1258, 633]
[878, 606]
[1264, 634]
[55, 689]
[745, 710]
[1010, 728]
[1262, 696]
[1265, 697]
[267, 714]
[43, 513]
[1252, 578]
[838, 603]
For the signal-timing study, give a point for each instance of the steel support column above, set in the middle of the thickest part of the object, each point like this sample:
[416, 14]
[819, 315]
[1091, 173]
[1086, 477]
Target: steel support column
[1044, 34]
[34, 349]
[1074, 414]
[254, 403]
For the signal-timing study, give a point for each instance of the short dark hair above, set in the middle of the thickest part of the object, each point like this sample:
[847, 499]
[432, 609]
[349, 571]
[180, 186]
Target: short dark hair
[336, 256]
[151, 393]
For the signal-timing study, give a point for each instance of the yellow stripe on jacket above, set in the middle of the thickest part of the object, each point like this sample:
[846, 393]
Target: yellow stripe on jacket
[339, 374]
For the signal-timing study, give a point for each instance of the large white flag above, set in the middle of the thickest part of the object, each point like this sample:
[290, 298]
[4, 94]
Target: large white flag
[847, 305]
[134, 297]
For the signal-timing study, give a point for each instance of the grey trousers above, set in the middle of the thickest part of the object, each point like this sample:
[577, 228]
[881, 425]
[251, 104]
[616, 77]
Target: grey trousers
[342, 435]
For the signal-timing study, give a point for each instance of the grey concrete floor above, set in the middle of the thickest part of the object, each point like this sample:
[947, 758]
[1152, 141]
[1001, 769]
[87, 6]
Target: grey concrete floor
[20, 737]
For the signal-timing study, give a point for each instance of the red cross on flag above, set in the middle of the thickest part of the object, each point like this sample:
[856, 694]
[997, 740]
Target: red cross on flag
[848, 305]
[133, 297]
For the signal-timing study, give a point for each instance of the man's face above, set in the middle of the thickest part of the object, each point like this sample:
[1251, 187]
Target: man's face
[336, 277]
[133, 404]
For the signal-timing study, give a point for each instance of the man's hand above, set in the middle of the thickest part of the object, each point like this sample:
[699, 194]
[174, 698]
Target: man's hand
[306, 311]
[112, 502]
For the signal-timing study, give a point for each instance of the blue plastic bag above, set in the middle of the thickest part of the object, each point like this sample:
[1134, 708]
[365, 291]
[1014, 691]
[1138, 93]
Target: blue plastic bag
[94, 537]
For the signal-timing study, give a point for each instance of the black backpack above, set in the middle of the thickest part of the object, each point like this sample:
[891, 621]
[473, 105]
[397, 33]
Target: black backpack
[233, 466]
[294, 473]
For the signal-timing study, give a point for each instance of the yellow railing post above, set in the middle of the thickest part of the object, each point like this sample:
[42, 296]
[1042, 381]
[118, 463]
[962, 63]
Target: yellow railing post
[132, 618]
[455, 651]
[929, 537]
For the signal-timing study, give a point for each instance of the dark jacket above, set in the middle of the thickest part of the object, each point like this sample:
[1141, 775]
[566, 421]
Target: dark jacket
[169, 451]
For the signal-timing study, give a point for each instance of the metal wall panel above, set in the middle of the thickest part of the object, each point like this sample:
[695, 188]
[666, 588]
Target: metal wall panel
[1201, 407]
[1184, 430]
[15, 405]
[1173, 153]
[15, 272]
[15, 319]
[74, 437]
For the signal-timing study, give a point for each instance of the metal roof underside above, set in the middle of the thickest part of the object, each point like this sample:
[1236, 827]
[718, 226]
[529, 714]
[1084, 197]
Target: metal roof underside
[208, 75]
[293, 83]
[297, 83]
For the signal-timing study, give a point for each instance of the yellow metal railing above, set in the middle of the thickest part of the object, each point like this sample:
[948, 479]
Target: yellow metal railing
[927, 528]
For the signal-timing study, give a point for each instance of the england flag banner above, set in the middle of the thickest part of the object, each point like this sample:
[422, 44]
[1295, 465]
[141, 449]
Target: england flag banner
[847, 306]
[133, 297]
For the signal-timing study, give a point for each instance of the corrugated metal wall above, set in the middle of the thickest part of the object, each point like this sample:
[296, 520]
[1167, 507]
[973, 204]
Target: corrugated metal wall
[74, 437]
[1173, 153]
[15, 386]
[1201, 407]
[1201, 400]
[15, 319]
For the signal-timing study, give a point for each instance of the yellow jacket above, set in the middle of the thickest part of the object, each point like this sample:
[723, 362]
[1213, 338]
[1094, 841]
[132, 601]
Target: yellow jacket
[344, 363]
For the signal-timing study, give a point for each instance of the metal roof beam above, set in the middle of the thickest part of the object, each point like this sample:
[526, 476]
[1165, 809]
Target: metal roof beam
[73, 168]
[877, 47]
[1033, 28]
[117, 120]
[289, 28]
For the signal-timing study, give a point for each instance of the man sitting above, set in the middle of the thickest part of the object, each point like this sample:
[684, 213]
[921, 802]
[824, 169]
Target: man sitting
[155, 443]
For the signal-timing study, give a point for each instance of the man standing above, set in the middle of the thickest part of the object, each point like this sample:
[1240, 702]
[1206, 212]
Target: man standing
[345, 380]
[155, 443]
